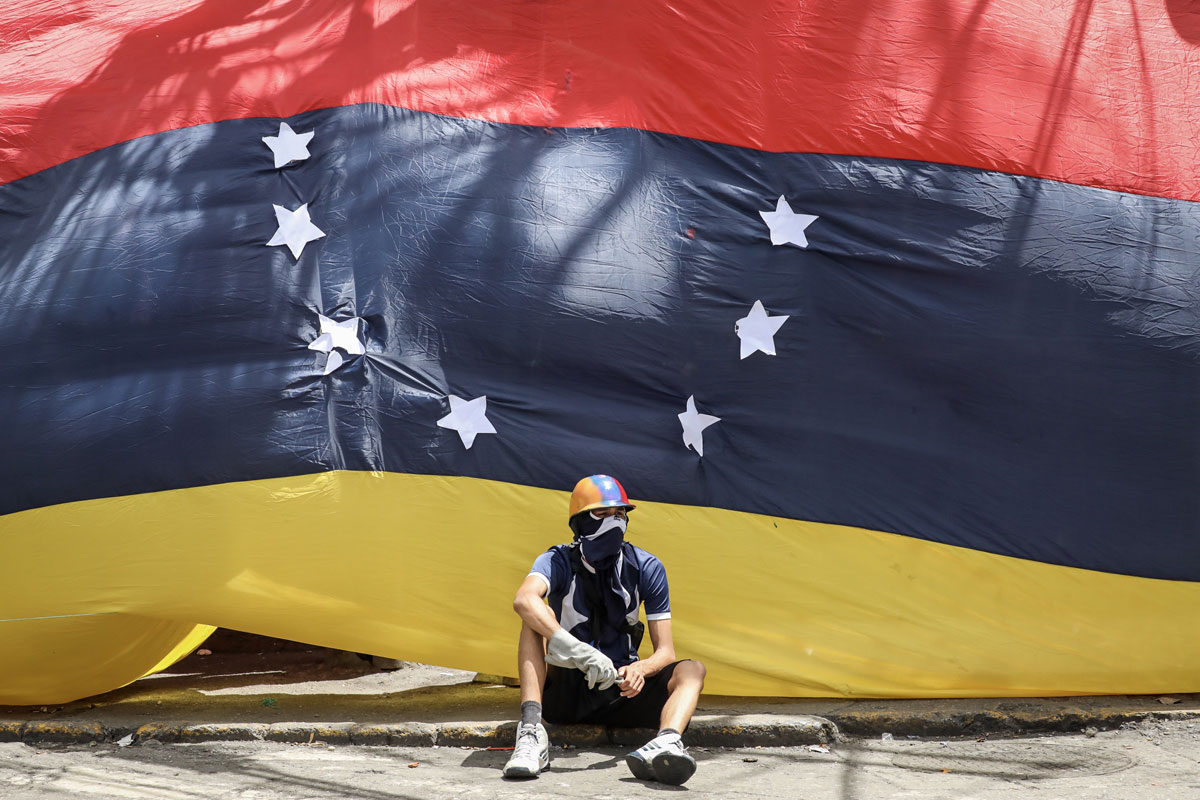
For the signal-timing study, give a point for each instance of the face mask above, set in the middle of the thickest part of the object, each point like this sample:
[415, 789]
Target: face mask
[599, 538]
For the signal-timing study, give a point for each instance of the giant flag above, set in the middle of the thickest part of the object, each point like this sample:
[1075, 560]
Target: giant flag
[886, 315]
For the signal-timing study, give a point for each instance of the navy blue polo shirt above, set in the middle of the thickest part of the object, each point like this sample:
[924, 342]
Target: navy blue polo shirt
[643, 580]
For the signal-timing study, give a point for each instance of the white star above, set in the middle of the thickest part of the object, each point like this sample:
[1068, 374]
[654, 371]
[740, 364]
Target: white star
[757, 330]
[694, 425]
[333, 361]
[295, 229]
[289, 146]
[468, 417]
[786, 226]
[342, 335]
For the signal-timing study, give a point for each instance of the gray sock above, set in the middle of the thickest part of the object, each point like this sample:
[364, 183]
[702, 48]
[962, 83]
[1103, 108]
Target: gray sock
[531, 712]
[668, 730]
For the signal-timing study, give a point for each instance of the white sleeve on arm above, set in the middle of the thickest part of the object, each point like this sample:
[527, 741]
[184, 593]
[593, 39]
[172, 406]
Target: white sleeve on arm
[657, 596]
[545, 580]
[543, 567]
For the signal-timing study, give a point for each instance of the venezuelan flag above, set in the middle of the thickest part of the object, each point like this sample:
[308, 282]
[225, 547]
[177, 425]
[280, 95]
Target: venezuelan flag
[889, 321]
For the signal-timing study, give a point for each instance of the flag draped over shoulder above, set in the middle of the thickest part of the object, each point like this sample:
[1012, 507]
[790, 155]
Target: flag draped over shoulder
[313, 313]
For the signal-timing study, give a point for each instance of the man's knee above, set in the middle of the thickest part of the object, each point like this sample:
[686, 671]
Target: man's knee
[689, 672]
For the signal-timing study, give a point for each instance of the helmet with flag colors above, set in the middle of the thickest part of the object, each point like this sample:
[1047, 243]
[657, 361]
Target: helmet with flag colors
[598, 491]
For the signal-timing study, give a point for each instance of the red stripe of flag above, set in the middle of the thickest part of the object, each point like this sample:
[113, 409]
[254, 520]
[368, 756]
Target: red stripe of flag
[1095, 93]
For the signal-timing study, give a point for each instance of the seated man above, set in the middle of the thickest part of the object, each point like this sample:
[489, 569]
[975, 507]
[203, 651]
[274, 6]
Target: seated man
[589, 635]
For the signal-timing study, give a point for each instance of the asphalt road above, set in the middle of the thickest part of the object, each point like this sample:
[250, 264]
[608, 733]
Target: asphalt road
[1159, 760]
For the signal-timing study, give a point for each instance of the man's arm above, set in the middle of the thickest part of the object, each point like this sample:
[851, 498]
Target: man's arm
[635, 674]
[530, 605]
[562, 649]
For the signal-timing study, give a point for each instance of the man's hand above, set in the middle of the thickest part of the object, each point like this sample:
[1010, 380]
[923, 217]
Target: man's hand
[633, 678]
[564, 650]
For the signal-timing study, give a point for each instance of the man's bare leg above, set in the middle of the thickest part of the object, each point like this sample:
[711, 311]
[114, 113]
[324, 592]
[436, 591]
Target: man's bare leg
[683, 692]
[664, 758]
[531, 753]
[531, 664]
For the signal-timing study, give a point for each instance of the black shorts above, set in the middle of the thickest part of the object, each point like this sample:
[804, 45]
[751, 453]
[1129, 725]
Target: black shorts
[566, 699]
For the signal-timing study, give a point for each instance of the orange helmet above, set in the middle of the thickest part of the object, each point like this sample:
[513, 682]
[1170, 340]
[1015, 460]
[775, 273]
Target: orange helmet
[598, 491]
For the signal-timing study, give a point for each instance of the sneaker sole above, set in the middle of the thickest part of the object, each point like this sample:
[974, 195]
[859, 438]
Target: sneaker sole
[672, 768]
[641, 769]
[517, 772]
[524, 773]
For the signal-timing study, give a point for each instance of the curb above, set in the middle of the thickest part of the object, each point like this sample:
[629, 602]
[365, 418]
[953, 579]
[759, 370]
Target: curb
[742, 730]
[942, 724]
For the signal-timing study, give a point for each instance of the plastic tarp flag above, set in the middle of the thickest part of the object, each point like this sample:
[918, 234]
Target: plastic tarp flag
[886, 316]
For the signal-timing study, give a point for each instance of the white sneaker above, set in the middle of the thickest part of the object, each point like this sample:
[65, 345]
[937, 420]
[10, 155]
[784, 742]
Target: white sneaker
[663, 759]
[531, 754]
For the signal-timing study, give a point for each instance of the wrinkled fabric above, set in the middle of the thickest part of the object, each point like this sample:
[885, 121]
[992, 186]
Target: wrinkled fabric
[962, 466]
[1096, 94]
[969, 359]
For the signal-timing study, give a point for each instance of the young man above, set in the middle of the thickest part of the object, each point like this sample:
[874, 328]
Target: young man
[589, 636]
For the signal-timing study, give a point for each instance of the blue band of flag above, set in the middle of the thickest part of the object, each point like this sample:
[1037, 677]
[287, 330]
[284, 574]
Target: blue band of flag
[1003, 363]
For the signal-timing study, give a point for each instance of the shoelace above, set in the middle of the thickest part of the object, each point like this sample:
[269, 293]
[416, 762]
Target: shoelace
[527, 739]
[654, 745]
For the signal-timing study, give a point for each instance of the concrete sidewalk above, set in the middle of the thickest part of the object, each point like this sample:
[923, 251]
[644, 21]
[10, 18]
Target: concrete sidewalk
[269, 690]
